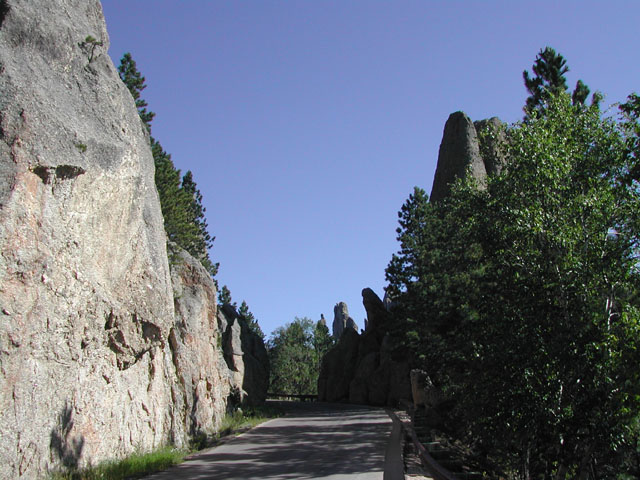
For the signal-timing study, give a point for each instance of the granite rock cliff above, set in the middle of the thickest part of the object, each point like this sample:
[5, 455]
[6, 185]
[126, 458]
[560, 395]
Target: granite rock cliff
[98, 358]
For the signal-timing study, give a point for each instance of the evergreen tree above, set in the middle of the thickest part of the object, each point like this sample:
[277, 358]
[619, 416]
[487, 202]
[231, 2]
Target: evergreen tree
[322, 339]
[224, 297]
[202, 241]
[134, 81]
[251, 320]
[549, 80]
[180, 200]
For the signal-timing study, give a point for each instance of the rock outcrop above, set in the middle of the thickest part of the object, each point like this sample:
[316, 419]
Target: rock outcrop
[464, 150]
[342, 321]
[246, 357]
[94, 363]
[204, 382]
[85, 291]
[492, 141]
[361, 368]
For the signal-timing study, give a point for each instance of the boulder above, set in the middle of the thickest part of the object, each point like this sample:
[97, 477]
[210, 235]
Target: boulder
[256, 366]
[338, 367]
[377, 314]
[459, 155]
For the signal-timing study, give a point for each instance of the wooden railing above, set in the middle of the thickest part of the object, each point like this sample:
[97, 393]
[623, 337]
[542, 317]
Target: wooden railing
[428, 462]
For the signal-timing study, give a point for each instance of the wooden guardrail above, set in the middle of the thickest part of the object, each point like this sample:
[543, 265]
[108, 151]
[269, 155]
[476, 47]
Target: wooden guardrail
[290, 396]
[428, 462]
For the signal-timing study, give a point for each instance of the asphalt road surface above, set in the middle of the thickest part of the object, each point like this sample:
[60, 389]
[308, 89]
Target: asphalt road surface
[314, 440]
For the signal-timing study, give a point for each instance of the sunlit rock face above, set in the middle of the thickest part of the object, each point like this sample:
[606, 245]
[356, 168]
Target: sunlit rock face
[85, 293]
[103, 349]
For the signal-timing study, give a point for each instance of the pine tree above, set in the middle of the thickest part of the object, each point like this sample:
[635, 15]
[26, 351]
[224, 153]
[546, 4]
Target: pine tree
[251, 320]
[549, 81]
[134, 81]
[180, 200]
[202, 241]
[224, 297]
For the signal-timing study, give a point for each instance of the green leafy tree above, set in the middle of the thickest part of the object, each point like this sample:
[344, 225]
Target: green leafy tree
[251, 320]
[631, 124]
[521, 300]
[295, 352]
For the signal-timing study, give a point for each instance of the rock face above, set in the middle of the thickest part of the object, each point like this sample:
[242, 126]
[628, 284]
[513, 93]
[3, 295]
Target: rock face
[361, 368]
[341, 320]
[204, 382]
[246, 358]
[492, 140]
[93, 362]
[462, 152]
[85, 292]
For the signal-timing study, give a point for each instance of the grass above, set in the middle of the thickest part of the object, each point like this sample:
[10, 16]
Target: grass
[136, 465]
[141, 464]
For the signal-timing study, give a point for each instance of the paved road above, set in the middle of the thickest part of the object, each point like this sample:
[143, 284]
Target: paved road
[320, 441]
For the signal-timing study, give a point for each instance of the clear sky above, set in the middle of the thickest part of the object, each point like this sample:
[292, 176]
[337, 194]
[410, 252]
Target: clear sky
[307, 124]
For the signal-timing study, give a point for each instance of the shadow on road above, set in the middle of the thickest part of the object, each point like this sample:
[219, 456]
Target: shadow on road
[312, 441]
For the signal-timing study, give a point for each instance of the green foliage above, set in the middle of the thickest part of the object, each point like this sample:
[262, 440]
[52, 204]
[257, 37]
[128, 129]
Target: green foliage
[82, 147]
[134, 466]
[521, 300]
[549, 81]
[89, 45]
[180, 200]
[134, 81]
[224, 297]
[252, 321]
[295, 352]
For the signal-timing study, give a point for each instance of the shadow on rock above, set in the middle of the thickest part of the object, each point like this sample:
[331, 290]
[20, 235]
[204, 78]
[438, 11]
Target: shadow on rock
[64, 446]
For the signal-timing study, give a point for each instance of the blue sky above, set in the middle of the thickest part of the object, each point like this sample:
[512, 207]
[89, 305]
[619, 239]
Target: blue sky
[307, 124]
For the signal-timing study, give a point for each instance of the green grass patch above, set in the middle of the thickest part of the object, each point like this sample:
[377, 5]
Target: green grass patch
[237, 422]
[241, 420]
[134, 466]
[142, 464]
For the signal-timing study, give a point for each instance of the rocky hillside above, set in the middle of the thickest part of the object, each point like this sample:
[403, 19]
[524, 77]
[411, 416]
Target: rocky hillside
[98, 357]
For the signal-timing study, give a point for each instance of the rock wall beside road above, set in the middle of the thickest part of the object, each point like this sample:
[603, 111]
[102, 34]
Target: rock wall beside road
[98, 357]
